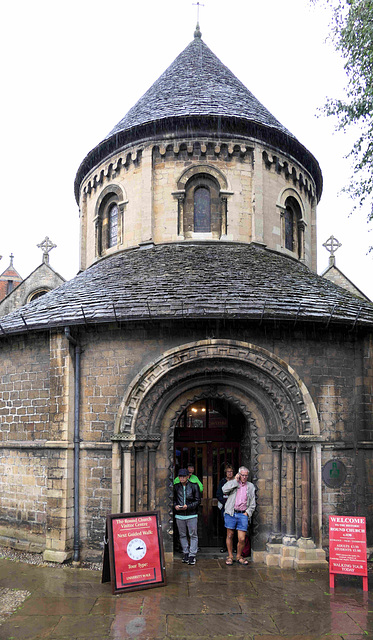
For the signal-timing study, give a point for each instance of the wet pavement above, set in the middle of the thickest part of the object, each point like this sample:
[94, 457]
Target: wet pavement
[209, 600]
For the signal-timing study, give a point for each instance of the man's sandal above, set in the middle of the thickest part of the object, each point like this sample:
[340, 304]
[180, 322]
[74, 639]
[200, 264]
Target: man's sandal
[229, 561]
[242, 561]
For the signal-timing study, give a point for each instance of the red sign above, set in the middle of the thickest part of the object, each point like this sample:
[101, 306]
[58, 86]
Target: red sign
[135, 551]
[348, 547]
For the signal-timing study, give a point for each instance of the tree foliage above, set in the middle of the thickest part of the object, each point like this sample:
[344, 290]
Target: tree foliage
[352, 35]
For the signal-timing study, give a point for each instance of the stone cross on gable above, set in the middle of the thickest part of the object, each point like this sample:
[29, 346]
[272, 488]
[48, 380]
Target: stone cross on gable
[332, 245]
[46, 246]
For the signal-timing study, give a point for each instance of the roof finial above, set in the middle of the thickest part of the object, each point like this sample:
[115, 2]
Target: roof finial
[11, 260]
[197, 33]
[332, 245]
[46, 246]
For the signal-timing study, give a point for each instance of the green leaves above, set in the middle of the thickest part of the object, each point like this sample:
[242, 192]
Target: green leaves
[352, 35]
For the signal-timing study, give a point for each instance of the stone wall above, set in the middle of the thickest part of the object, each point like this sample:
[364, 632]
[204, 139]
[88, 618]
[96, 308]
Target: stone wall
[37, 406]
[149, 177]
[24, 421]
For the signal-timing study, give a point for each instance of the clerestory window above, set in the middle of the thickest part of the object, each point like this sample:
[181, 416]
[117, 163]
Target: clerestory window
[107, 223]
[113, 225]
[202, 210]
[293, 227]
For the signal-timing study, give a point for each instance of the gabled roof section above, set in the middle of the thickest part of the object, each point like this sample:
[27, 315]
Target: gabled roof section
[198, 92]
[194, 281]
[334, 274]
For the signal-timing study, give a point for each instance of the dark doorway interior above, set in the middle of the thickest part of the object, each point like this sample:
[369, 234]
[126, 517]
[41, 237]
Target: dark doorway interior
[208, 434]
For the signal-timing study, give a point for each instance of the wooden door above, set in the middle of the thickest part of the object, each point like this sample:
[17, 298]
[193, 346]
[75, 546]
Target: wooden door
[209, 460]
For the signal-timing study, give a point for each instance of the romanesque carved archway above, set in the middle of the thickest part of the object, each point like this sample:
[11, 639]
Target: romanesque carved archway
[262, 385]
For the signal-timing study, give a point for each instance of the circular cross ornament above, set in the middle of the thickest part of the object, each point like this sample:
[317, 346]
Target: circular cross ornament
[136, 549]
[332, 244]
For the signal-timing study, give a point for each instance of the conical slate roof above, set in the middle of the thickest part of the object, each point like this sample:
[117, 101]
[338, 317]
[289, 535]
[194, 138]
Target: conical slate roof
[197, 83]
[198, 93]
[194, 281]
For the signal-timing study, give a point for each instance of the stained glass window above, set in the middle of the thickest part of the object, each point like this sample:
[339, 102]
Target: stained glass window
[202, 210]
[113, 225]
[289, 229]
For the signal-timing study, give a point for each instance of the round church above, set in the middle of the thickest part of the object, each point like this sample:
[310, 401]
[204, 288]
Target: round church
[197, 331]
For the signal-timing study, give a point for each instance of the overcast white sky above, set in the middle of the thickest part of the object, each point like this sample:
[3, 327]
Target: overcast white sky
[71, 70]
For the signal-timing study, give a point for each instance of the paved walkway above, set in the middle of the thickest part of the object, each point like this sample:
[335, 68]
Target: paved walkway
[206, 601]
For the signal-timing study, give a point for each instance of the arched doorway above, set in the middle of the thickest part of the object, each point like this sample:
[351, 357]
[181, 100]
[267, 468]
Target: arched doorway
[208, 435]
[280, 443]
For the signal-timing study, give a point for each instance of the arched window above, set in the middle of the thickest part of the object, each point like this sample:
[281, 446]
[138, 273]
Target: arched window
[203, 207]
[37, 294]
[108, 220]
[289, 228]
[113, 224]
[293, 227]
[202, 210]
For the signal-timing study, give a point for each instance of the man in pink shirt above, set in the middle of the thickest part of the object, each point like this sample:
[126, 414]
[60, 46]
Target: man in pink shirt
[239, 508]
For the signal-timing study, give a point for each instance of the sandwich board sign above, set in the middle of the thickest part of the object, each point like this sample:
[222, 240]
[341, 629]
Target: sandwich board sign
[133, 552]
[348, 548]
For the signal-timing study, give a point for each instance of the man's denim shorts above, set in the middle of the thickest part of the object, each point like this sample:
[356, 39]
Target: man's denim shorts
[237, 521]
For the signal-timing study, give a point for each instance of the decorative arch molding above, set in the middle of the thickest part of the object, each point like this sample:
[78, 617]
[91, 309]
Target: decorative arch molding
[112, 194]
[267, 373]
[207, 169]
[109, 190]
[286, 193]
[279, 415]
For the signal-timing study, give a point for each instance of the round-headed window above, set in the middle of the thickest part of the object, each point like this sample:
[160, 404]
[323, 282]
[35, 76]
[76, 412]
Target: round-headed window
[202, 210]
[113, 224]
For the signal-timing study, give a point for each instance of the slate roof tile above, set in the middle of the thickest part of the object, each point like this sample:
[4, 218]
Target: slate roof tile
[187, 280]
[197, 83]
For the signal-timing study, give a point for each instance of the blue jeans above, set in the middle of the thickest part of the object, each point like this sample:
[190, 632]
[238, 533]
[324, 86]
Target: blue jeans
[189, 525]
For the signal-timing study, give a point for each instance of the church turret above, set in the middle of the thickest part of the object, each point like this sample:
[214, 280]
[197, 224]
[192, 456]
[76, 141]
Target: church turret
[198, 157]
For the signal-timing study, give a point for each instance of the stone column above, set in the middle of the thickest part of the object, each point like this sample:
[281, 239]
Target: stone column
[126, 477]
[276, 491]
[59, 498]
[306, 490]
[146, 195]
[140, 476]
[290, 492]
[180, 213]
[83, 233]
[152, 449]
[282, 224]
[224, 216]
[258, 201]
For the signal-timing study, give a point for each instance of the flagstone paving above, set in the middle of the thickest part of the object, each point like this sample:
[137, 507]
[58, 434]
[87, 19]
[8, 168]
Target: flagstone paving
[207, 601]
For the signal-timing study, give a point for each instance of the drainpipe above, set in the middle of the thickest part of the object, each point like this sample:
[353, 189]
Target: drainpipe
[77, 353]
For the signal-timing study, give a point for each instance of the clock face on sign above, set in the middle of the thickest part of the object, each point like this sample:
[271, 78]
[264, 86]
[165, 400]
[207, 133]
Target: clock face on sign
[136, 549]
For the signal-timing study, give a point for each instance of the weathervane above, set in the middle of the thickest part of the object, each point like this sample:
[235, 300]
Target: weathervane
[47, 245]
[198, 5]
[197, 33]
[332, 245]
